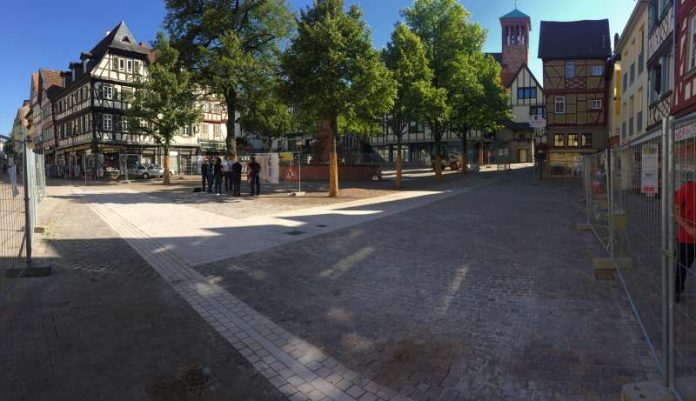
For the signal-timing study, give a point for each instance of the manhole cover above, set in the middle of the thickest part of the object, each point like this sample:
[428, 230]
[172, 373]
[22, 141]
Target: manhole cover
[295, 232]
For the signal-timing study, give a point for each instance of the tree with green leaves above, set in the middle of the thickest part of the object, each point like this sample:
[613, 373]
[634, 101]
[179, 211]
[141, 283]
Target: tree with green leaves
[268, 115]
[164, 101]
[333, 72]
[228, 45]
[406, 57]
[480, 102]
[449, 37]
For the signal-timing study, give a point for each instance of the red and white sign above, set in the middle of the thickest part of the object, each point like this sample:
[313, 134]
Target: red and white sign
[686, 132]
[290, 174]
[649, 170]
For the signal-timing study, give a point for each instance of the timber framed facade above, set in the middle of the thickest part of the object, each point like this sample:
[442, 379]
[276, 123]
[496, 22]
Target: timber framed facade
[576, 82]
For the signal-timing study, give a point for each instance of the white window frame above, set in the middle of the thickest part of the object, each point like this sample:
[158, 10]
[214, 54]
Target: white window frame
[597, 70]
[108, 91]
[107, 122]
[121, 64]
[571, 65]
[596, 104]
[124, 125]
[129, 65]
[559, 101]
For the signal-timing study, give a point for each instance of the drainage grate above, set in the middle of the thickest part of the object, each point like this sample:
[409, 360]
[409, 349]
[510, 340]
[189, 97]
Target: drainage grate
[295, 232]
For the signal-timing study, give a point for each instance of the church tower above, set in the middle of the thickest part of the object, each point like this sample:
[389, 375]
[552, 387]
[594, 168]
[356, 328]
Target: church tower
[516, 26]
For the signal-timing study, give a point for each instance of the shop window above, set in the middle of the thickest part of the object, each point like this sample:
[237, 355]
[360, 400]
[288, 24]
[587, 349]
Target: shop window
[573, 141]
[558, 140]
[586, 140]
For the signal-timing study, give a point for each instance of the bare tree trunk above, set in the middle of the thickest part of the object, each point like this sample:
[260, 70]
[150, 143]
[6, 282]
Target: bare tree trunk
[464, 155]
[231, 137]
[333, 159]
[167, 175]
[438, 160]
[398, 161]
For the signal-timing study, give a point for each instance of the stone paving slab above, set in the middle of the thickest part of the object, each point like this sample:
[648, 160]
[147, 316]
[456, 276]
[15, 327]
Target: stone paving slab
[484, 296]
[298, 369]
[196, 236]
[106, 327]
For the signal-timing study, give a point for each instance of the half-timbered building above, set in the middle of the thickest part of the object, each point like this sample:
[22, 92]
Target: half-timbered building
[513, 142]
[91, 130]
[684, 99]
[576, 65]
[51, 82]
[660, 63]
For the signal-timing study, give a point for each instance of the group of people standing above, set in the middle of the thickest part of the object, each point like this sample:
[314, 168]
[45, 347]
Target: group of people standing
[215, 170]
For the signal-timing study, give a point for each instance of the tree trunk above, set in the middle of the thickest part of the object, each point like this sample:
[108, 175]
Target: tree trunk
[231, 137]
[464, 156]
[333, 159]
[398, 161]
[167, 175]
[438, 160]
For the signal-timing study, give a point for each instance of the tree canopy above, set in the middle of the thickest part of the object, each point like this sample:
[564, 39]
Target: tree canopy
[331, 70]
[228, 44]
[164, 102]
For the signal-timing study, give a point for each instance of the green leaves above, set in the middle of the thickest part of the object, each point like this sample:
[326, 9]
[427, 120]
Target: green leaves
[164, 101]
[331, 69]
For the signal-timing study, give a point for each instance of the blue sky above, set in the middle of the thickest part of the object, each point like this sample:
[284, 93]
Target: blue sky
[50, 34]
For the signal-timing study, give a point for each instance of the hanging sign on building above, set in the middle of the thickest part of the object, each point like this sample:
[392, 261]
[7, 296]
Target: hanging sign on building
[537, 121]
[685, 132]
[649, 170]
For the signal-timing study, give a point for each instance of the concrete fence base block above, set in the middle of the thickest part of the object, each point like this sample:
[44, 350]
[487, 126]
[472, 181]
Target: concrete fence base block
[624, 264]
[40, 229]
[35, 270]
[583, 227]
[604, 268]
[646, 391]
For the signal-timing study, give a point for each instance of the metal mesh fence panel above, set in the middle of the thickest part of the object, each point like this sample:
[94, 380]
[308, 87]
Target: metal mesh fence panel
[12, 223]
[636, 243]
[595, 184]
[683, 232]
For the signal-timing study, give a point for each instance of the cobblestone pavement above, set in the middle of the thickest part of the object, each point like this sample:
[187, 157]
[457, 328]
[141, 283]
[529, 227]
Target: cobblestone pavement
[105, 326]
[483, 295]
[487, 295]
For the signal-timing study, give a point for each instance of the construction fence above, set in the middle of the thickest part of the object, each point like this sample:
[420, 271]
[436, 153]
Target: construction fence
[18, 213]
[641, 204]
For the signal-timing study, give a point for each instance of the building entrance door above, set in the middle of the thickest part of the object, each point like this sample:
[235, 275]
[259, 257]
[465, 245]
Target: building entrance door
[523, 155]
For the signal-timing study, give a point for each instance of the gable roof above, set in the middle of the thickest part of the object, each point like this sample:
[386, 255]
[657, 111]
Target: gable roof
[524, 66]
[119, 38]
[588, 39]
[514, 14]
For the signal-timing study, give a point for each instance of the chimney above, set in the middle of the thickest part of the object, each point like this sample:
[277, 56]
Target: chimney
[143, 45]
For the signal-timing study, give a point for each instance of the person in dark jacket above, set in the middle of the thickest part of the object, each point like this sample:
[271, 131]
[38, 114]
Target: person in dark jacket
[204, 173]
[211, 174]
[236, 177]
[217, 176]
[254, 169]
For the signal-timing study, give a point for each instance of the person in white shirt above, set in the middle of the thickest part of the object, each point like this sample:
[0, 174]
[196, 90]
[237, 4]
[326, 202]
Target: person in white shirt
[227, 173]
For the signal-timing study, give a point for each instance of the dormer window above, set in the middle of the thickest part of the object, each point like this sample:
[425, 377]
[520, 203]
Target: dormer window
[125, 39]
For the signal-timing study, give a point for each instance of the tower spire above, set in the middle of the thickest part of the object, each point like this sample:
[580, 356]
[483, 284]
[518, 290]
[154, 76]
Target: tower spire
[516, 3]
